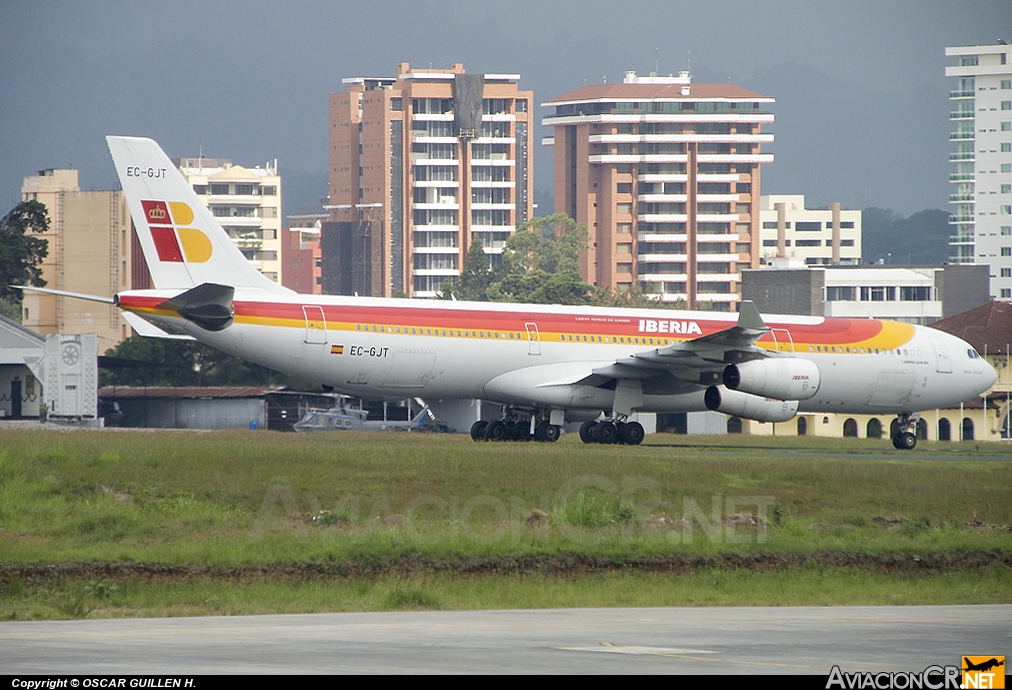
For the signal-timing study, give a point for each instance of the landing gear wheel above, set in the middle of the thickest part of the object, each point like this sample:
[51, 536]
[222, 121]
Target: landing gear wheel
[478, 430]
[606, 432]
[495, 431]
[522, 431]
[539, 431]
[552, 433]
[632, 433]
[585, 431]
[906, 441]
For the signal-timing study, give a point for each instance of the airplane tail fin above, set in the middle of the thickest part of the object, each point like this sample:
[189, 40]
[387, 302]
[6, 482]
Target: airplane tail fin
[183, 244]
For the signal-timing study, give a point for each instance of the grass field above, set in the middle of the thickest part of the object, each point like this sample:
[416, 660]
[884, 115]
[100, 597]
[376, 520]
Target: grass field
[244, 499]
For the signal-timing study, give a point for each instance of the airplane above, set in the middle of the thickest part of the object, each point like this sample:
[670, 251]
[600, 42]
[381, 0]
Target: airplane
[544, 364]
[982, 666]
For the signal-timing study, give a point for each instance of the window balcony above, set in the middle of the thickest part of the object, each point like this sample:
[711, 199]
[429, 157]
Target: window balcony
[436, 272]
[663, 277]
[666, 177]
[960, 239]
[239, 221]
[453, 251]
[961, 94]
[662, 218]
[233, 199]
[424, 138]
[961, 135]
[439, 205]
[422, 159]
[961, 115]
[954, 198]
[490, 206]
[961, 156]
[960, 259]
[961, 177]
[661, 198]
[956, 218]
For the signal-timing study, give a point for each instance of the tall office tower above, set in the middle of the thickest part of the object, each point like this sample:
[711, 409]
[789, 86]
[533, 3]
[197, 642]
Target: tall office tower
[246, 202]
[89, 252]
[982, 202]
[422, 164]
[665, 173]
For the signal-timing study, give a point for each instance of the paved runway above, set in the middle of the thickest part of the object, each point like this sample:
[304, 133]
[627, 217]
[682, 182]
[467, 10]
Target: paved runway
[650, 640]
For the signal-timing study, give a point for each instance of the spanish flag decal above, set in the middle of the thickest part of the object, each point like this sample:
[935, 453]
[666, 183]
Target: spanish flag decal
[337, 349]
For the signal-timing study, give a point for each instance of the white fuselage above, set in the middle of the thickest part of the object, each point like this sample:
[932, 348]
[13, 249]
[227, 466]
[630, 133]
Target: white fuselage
[530, 355]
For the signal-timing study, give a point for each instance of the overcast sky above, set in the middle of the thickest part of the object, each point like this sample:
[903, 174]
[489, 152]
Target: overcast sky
[861, 97]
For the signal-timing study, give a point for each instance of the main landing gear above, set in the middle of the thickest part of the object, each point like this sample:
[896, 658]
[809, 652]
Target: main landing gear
[515, 427]
[905, 437]
[608, 432]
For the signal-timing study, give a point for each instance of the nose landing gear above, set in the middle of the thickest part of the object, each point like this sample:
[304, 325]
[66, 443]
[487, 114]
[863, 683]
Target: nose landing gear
[905, 437]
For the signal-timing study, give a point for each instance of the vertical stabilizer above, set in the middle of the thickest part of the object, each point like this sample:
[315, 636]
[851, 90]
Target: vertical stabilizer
[183, 243]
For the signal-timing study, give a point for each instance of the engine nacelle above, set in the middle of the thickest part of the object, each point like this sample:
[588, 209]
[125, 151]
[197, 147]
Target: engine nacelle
[738, 404]
[783, 379]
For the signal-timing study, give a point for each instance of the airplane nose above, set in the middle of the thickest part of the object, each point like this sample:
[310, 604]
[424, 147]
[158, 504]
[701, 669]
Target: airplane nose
[993, 375]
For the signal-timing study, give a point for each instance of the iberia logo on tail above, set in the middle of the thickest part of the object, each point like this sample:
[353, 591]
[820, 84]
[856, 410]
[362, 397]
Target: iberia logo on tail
[173, 241]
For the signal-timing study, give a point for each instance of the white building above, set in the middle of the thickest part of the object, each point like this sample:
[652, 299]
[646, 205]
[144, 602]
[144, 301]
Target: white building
[817, 236]
[247, 204]
[914, 294]
[982, 202]
[884, 292]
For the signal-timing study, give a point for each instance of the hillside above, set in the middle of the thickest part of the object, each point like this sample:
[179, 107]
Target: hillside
[922, 238]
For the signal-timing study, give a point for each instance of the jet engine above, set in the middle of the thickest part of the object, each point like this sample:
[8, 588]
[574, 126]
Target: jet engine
[738, 404]
[784, 379]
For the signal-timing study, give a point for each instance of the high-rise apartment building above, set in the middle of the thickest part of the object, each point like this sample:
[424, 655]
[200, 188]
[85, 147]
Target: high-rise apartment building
[90, 252]
[982, 202]
[819, 237]
[422, 164]
[246, 202]
[665, 173]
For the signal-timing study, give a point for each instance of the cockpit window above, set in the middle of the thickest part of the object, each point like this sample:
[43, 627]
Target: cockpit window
[972, 354]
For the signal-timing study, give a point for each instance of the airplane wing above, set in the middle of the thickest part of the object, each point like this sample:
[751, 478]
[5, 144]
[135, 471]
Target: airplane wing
[687, 365]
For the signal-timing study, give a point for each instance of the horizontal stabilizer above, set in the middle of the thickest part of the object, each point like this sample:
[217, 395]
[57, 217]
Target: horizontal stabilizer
[208, 305]
[146, 329]
[64, 293]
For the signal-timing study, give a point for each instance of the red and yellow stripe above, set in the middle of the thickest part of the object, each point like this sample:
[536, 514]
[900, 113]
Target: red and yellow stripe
[839, 335]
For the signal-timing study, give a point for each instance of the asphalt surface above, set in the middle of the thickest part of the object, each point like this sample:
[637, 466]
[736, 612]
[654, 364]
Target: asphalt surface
[806, 640]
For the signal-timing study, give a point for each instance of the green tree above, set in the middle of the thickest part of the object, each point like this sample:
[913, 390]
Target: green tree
[476, 276]
[541, 264]
[21, 253]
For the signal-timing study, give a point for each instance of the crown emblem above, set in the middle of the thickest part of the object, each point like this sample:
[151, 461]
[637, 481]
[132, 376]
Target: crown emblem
[157, 213]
